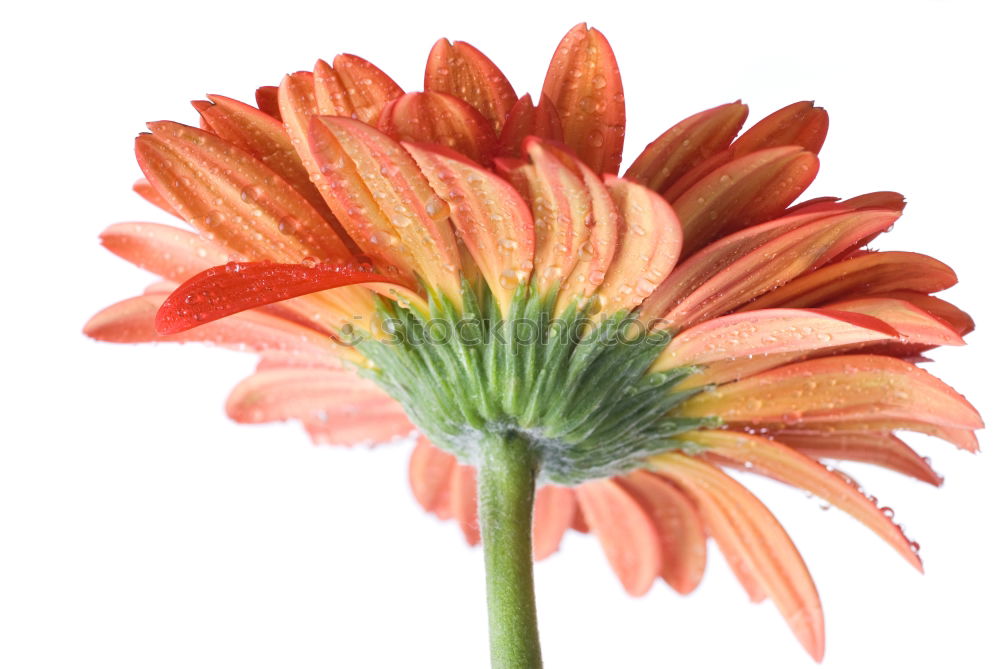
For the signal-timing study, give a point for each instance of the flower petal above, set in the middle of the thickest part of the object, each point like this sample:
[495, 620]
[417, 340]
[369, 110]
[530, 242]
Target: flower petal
[169, 252]
[555, 508]
[340, 406]
[430, 476]
[526, 120]
[493, 221]
[220, 291]
[463, 500]
[799, 124]
[874, 448]
[353, 87]
[736, 339]
[946, 312]
[876, 272]
[774, 459]
[755, 540]
[743, 192]
[462, 71]
[627, 535]
[224, 191]
[585, 85]
[648, 245]
[682, 537]
[146, 191]
[776, 263]
[919, 329]
[838, 388]
[438, 118]
[267, 101]
[686, 145]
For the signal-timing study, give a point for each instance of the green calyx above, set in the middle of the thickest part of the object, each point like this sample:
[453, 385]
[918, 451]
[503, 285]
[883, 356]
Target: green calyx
[577, 392]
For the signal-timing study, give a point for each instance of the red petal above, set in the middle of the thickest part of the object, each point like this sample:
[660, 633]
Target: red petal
[871, 273]
[838, 388]
[437, 118]
[753, 542]
[682, 537]
[799, 124]
[353, 87]
[267, 101]
[462, 497]
[774, 459]
[627, 535]
[874, 448]
[235, 287]
[526, 120]
[687, 145]
[430, 475]
[743, 192]
[585, 85]
[462, 71]
[555, 508]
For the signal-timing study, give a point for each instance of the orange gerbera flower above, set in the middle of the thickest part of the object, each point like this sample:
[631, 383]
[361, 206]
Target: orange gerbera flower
[466, 263]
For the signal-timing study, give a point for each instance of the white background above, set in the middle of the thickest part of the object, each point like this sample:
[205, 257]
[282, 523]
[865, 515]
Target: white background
[140, 528]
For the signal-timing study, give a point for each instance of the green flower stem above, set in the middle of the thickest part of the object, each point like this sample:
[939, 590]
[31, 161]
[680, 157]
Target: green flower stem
[506, 499]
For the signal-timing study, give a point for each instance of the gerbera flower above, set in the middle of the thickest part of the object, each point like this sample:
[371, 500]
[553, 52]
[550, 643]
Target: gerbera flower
[464, 264]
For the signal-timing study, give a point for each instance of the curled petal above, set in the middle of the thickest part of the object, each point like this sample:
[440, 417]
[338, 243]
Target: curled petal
[337, 403]
[462, 71]
[799, 124]
[838, 388]
[221, 291]
[774, 459]
[682, 537]
[686, 145]
[753, 542]
[876, 272]
[627, 535]
[353, 87]
[527, 120]
[438, 118]
[745, 191]
[585, 85]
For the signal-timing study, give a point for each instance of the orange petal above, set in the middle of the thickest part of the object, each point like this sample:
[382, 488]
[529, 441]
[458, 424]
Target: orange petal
[838, 388]
[708, 262]
[736, 337]
[342, 406]
[462, 498]
[686, 145]
[169, 252]
[917, 327]
[263, 137]
[946, 312]
[267, 101]
[462, 71]
[493, 221]
[555, 508]
[526, 120]
[381, 197]
[146, 191]
[964, 439]
[585, 85]
[430, 475]
[627, 535]
[799, 124]
[227, 193]
[682, 537]
[353, 87]
[753, 538]
[437, 118]
[648, 245]
[876, 272]
[774, 459]
[742, 192]
[776, 263]
[874, 448]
